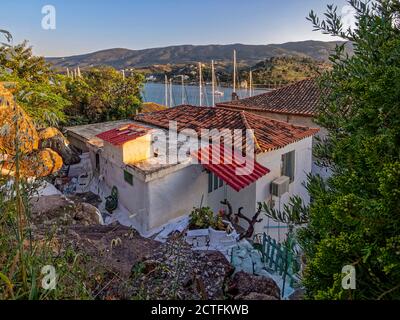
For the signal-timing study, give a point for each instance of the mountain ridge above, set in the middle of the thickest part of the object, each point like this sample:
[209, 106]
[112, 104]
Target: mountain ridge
[123, 58]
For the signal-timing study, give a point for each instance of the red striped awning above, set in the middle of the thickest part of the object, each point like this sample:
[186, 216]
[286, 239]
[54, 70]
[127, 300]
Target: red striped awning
[226, 164]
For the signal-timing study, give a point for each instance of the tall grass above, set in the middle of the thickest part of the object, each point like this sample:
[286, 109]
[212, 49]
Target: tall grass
[23, 253]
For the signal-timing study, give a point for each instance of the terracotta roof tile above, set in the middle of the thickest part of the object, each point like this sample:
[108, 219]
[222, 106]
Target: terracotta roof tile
[269, 134]
[300, 98]
[121, 135]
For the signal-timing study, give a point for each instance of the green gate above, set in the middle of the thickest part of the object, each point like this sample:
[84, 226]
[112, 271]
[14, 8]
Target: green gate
[277, 258]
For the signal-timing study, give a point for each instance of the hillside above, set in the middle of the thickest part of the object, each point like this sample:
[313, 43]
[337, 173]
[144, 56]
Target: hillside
[247, 54]
[285, 70]
[271, 71]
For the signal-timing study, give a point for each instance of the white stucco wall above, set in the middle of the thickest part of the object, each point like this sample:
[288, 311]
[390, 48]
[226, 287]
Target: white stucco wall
[272, 160]
[134, 198]
[176, 194]
[245, 198]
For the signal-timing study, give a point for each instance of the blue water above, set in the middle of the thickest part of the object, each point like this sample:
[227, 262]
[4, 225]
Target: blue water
[155, 92]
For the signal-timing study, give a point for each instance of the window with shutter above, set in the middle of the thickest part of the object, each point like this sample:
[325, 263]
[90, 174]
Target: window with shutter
[128, 177]
[288, 165]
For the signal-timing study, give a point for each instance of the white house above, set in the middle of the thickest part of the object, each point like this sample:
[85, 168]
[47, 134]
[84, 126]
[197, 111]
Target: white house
[128, 155]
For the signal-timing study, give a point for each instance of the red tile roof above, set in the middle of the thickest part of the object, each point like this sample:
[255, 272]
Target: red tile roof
[269, 134]
[300, 98]
[123, 134]
[224, 163]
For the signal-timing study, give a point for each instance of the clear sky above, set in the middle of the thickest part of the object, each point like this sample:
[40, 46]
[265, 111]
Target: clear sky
[84, 26]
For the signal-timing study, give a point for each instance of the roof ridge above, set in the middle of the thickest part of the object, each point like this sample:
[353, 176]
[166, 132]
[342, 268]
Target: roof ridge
[299, 98]
[268, 134]
[281, 88]
[247, 126]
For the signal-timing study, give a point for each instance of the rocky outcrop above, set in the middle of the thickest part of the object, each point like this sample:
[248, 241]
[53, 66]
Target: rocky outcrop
[245, 286]
[57, 210]
[115, 247]
[53, 139]
[175, 271]
[40, 154]
[125, 265]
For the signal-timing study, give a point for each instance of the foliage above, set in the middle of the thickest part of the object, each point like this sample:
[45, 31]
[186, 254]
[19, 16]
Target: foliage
[294, 213]
[354, 218]
[285, 70]
[102, 94]
[203, 218]
[38, 89]
[274, 70]
[23, 254]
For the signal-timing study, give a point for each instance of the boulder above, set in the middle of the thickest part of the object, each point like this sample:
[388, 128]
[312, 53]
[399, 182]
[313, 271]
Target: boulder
[245, 286]
[52, 138]
[116, 247]
[58, 210]
[16, 125]
[87, 214]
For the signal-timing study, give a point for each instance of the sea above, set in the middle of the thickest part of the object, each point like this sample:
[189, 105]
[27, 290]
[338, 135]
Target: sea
[155, 92]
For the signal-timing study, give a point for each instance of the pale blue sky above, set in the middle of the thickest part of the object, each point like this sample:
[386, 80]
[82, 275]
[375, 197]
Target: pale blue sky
[89, 25]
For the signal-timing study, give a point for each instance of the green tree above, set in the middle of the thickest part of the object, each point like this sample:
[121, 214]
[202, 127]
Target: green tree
[354, 218]
[24, 249]
[102, 94]
[39, 89]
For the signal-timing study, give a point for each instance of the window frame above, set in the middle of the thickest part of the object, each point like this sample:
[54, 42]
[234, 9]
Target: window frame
[288, 162]
[128, 177]
[214, 182]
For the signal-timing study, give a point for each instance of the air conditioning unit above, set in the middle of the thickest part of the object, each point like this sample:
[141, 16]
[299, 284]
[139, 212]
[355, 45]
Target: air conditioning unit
[280, 186]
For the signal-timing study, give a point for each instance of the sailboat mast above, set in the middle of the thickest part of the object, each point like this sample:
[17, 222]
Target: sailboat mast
[251, 83]
[183, 90]
[170, 93]
[234, 70]
[200, 85]
[166, 90]
[213, 82]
